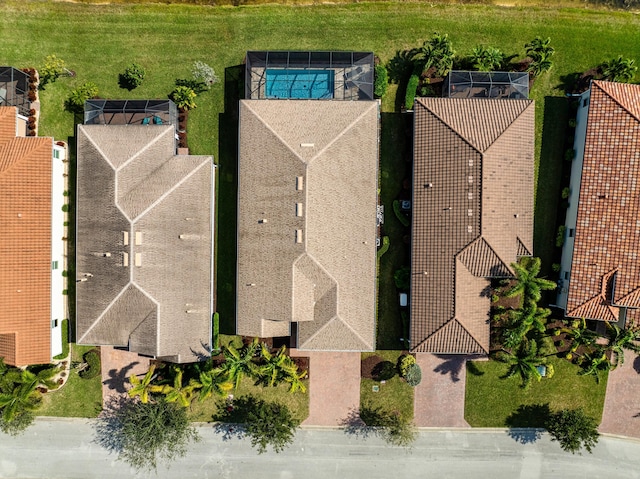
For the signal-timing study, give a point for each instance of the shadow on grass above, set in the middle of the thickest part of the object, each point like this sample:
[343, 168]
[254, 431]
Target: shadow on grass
[473, 369]
[227, 194]
[526, 423]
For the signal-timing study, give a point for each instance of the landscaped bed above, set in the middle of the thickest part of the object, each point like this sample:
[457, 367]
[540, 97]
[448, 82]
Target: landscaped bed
[490, 400]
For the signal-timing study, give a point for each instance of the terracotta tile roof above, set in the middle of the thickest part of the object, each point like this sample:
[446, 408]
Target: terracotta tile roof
[605, 269]
[144, 242]
[472, 214]
[307, 199]
[25, 244]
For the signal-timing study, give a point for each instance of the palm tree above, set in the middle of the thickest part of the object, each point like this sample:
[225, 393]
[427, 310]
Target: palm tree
[143, 387]
[619, 69]
[527, 282]
[22, 397]
[539, 48]
[43, 378]
[539, 65]
[295, 382]
[579, 334]
[212, 381]
[529, 317]
[438, 53]
[272, 370]
[619, 340]
[178, 392]
[238, 363]
[487, 59]
[524, 362]
[594, 362]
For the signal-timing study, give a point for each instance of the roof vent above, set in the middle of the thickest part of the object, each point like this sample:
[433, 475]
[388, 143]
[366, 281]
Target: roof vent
[298, 209]
[138, 260]
[299, 183]
[428, 185]
[138, 238]
[125, 239]
[263, 221]
[106, 255]
[516, 215]
[307, 145]
[298, 236]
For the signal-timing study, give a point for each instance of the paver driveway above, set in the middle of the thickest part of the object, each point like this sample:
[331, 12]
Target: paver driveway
[439, 398]
[621, 413]
[117, 366]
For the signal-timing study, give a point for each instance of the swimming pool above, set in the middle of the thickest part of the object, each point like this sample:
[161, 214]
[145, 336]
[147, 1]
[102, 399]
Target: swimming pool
[299, 84]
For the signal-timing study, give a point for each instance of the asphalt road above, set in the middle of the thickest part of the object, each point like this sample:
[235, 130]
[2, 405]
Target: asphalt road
[66, 449]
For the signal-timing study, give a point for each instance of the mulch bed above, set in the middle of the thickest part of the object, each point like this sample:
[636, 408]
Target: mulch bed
[368, 365]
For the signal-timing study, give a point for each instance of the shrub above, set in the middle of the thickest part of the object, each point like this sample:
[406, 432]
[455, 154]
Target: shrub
[556, 267]
[570, 154]
[204, 75]
[52, 69]
[487, 58]
[65, 223]
[402, 278]
[565, 192]
[384, 370]
[65, 207]
[216, 331]
[381, 81]
[92, 358]
[184, 97]
[572, 123]
[385, 246]
[560, 235]
[412, 88]
[75, 102]
[32, 95]
[414, 375]
[132, 77]
[404, 362]
[65, 273]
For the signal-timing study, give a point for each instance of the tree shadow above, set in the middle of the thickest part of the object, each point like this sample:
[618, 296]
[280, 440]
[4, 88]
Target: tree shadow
[117, 378]
[473, 369]
[109, 427]
[354, 426]
[451, 365]
[124, 83]
[525, 424]
[636, 364]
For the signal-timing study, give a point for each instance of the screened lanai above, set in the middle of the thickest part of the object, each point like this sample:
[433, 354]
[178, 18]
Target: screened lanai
[309, 75]
[468, 84]
[130, 112]
[14, 89]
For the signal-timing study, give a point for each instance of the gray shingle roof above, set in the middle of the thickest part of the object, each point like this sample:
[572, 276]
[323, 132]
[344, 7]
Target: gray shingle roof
[144, 242]
[307, 201]
[472, 214]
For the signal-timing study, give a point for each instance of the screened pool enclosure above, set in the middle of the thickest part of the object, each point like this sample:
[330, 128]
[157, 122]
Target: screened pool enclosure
[130, 112]
[309, 75]
[14, 89]
[467, 84]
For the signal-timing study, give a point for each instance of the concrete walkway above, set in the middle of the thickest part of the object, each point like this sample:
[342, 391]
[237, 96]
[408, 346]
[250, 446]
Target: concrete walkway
[621, 413]
[117, 367]
[334, 386]
[439, 398]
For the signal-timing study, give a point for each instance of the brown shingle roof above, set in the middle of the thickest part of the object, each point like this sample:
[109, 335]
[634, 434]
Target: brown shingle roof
[307, 199]
[25, 244]
[472, 214]
[605, 268]
[145, 238]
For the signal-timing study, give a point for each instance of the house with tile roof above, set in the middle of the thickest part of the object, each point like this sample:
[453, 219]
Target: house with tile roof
[144, 254]
[307, 212]
[600, 270]
[472, 215]
[31, 244]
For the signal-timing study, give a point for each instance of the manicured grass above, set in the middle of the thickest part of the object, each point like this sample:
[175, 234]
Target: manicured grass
[297, 402]
[394, 395]
[490, 400]
[65, 340]
[78, 397]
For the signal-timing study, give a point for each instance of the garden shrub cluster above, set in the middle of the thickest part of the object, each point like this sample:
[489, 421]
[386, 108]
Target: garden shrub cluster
[92, 358]
[414, 375]
[412, 88]
[381, 81]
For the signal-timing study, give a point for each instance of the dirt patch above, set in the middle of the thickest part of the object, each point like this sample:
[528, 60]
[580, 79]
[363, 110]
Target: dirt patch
[368, 365]
[302, 363]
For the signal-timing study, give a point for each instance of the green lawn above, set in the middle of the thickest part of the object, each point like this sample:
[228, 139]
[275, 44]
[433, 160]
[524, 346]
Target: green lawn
[490, 400]
[394, 395]
[78, 397]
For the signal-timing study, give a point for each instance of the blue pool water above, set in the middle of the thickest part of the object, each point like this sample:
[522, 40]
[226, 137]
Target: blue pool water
[299, 84]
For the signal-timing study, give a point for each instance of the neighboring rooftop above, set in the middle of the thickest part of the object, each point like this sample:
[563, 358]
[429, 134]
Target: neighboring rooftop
[25, 244]
[307, 200]
[14, 89]
[605, 268]
[309, 75]
[130, 112]
[472, 215]
[144, 242]
[471, 84]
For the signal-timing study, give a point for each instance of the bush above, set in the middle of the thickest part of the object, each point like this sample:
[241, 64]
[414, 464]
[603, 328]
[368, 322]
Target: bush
[412, 88]
[65, 207]
[565, 192]
[384, 370]
[75, 102]
[404, 362]
[414, 375]
[560, 235]
[203, 75]
[570, 154]
[555, 267]
[92, 358]
[573, 429]
[381, 81]
[184, 97]
[385, 246]
[572, 123]
[132, 77]
[52, 69]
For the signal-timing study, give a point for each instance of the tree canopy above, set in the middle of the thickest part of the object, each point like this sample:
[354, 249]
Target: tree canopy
[573, 429]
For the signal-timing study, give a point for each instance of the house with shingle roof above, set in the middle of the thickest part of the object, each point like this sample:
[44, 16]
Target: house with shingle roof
[472, 215]
[307, 212]
[144, 259]
[600, 270]
[31, 221]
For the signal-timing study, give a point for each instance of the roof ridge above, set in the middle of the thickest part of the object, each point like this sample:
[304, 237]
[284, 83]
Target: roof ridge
[614, 95]
[471, 335]
[457, 133]
[148, 145]
[18, 148]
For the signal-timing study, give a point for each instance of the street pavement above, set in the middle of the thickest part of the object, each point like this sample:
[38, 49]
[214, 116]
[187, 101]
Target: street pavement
[63, 448]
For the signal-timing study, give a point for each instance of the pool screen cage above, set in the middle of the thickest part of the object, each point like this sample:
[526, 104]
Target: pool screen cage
[352, 72]
[130, 112]
[467, 84]
[14, 89]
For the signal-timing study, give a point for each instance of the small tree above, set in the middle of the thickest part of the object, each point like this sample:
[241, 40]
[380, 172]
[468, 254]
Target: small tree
[573, 429]
[619, 69]
[437, 52]
[184, 97]
[268, 423]
[144, 434]
[523, 362]
[75, 102]
[144, 387]
[393, 427]
[51, 70]
[132, 77]
[487, 58]
[204, 75]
